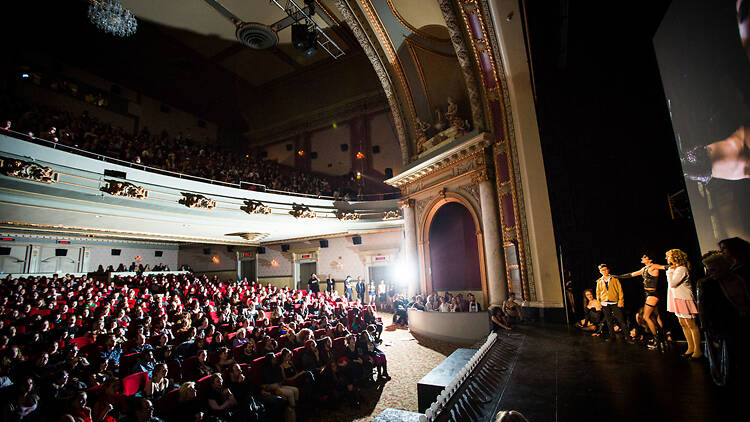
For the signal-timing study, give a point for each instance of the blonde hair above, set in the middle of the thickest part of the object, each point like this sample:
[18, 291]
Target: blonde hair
[183, 390]
[678, 258]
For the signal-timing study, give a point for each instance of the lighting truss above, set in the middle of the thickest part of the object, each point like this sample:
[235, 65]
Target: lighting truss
[297, 13]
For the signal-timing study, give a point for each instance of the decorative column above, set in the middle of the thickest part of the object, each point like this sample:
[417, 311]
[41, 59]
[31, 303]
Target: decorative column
[410, 247]
[493, 252]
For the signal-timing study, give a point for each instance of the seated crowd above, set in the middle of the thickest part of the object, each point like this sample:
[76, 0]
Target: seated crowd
[179, 347]
[180, 154]
[501, 316]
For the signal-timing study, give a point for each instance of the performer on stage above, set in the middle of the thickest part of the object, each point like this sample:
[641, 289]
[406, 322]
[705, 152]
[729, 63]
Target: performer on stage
[681, 302]
[650, 273]
[609, 294]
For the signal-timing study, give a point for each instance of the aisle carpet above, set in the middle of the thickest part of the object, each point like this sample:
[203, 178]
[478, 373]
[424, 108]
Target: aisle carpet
[409, 359]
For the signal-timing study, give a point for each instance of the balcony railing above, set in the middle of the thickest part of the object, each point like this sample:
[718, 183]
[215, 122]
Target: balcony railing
[239, 185]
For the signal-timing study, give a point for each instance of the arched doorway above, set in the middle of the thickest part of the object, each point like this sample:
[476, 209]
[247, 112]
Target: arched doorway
[454, 255]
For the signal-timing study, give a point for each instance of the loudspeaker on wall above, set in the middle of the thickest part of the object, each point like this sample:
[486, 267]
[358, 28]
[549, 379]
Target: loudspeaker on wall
[324, 243]
[357, 240]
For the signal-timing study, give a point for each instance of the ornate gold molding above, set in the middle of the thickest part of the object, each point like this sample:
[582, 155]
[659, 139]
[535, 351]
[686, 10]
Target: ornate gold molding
[464, 61]
[124, 189]
[301, 211]
[391, 215]
[406, 203]
[192, 200]
[28, 171]
[480, 175]
[390, 50]
[255, 207]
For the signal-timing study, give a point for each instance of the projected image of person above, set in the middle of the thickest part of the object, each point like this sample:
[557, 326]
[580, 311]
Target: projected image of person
[703, 50]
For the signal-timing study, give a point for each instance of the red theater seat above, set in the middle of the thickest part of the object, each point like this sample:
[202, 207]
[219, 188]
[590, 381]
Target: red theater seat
[169, 402]
[203, 385]
[339, 346]
[134, 383]
[81, 342]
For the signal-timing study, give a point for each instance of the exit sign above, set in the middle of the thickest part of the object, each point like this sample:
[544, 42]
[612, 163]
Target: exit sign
[380, 258]
[306, 256]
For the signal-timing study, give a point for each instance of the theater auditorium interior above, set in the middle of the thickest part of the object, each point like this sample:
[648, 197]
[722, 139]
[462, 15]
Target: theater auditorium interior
[374, 210]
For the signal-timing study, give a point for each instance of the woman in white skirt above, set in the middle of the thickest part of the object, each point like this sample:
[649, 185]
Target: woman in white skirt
[680, 301]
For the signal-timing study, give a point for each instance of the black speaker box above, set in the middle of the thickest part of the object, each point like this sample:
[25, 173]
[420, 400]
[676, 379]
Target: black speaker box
[115, 173]
[284, 248]
[206, 251]
[261, 250]
[357, 240]
[324, 243]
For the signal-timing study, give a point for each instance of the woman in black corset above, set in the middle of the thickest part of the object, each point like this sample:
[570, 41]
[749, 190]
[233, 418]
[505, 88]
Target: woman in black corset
[650, 274]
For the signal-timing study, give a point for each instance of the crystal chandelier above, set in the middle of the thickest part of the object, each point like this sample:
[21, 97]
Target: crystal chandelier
[110, 16]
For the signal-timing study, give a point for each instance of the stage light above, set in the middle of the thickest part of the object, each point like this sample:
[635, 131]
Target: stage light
[24, 75]
[301, 153]
[359, 175]
[215, 259]
[360, 155]
[403, 273]
[305, 38]
[335, 126]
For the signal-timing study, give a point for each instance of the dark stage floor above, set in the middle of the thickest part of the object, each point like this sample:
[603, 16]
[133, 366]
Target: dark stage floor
[566, 375]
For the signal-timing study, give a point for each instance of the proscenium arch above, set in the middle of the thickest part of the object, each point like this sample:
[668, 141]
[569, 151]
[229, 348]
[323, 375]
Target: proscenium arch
[424, 241]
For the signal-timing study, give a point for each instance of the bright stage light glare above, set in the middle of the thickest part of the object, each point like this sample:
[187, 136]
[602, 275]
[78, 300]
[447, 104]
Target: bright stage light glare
[24, 75]
[403, 274]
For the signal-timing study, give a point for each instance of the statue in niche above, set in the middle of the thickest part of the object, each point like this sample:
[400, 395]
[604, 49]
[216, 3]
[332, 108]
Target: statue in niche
[439, 124]
[454, 119]
[422, 129]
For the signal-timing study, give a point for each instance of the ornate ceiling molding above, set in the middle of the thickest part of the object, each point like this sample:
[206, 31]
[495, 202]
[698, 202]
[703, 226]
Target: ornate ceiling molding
[390, 50]
[380, 70]
[464, 60]
[475, 145]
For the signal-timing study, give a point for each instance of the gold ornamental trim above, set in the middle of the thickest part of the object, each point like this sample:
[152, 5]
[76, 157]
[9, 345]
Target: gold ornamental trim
[28, 170]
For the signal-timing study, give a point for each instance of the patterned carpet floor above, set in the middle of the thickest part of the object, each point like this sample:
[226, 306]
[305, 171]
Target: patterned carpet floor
[409, 359]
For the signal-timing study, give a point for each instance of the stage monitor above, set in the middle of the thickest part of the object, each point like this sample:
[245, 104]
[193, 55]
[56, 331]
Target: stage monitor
[703, 51]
